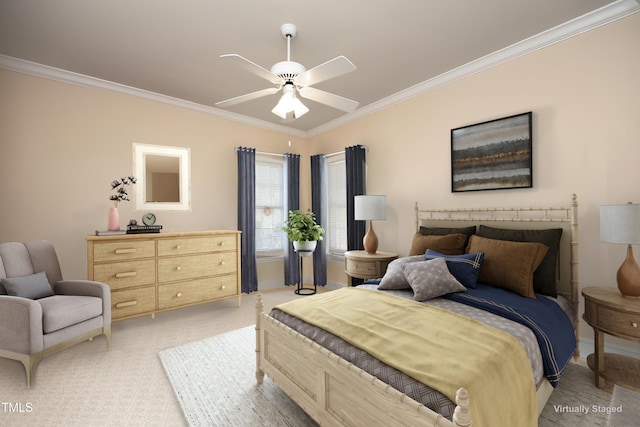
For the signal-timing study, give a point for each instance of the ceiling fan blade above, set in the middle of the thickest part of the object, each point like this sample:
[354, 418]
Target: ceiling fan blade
[330, 69]
[335, 101]
[247, 97]
[254, 68]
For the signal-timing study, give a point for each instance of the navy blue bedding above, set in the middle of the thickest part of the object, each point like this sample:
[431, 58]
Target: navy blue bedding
[544, 317]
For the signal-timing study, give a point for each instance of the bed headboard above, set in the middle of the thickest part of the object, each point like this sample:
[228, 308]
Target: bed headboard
[523, 218]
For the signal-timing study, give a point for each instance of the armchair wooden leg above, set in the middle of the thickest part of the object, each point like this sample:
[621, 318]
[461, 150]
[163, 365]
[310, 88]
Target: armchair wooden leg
[107, 333]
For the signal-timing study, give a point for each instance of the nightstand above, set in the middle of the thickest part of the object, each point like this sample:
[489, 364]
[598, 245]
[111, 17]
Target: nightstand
[366, 266]
[608, 312]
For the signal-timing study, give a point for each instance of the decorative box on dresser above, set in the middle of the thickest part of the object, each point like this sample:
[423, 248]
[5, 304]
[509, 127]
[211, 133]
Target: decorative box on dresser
[608, 312]
[154, 272]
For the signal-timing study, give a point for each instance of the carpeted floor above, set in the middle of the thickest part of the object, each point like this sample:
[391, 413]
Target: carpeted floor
[214, 382]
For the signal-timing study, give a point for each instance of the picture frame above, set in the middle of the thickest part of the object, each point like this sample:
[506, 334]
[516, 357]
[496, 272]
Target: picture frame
[492, 155]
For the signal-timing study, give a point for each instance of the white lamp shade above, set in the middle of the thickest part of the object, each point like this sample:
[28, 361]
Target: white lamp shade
[370, 208]
[620, 224]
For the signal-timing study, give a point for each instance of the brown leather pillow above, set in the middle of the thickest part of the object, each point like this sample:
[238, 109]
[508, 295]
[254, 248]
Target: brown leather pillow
[451, 244]
[509, 265]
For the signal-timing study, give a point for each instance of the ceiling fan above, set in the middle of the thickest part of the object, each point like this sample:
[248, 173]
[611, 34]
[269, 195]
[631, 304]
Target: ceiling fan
[292, 77]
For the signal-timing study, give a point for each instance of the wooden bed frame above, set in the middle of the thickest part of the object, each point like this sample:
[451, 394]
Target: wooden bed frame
[335, 392]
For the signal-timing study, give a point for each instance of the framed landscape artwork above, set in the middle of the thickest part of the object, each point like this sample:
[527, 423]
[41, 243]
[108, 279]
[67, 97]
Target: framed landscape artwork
[492, 155]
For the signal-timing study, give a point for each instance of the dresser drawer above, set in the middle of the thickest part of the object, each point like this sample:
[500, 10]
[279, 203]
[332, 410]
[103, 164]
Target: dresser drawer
[114, 251]
[618, 322]
[195, 266]
[182, 293]
[132, 302]
[126, 274]
[360, 268]
[195, 245]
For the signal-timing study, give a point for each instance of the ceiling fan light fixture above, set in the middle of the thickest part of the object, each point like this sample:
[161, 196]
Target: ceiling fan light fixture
[289, 103]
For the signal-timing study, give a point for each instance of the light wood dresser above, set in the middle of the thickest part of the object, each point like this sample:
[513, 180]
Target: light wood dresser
[154, 272]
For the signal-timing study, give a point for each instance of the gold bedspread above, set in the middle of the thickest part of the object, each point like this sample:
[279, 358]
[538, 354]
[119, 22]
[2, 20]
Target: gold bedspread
[444, 350]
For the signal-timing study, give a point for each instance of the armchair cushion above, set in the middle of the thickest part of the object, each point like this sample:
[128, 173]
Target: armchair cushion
[34, 286]
[60, 311]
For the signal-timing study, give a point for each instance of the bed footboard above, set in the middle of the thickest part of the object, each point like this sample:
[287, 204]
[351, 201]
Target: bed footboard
[333, 391]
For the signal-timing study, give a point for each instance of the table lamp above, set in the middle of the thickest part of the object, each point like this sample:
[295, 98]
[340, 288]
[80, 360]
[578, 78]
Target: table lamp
[621, 224]
[369, 208]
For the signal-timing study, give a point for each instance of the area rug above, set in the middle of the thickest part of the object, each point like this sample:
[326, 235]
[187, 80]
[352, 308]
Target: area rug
[214, 383]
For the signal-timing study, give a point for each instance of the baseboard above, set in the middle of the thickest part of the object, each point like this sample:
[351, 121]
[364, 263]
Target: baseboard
[586, 346]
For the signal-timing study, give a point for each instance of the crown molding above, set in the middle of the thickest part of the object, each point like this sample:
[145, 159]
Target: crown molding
[52, 73]
[612, 12]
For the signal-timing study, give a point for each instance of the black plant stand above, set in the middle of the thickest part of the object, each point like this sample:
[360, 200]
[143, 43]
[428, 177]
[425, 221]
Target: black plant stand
[301, 290]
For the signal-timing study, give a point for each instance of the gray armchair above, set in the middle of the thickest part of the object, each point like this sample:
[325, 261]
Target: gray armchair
[40, 313]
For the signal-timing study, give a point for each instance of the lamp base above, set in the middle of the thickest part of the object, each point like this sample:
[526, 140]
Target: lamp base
[629, 276]
[370, 240]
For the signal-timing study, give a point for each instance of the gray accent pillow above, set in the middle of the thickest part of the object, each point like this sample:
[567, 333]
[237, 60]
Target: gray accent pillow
[394, 277]
[431, 279]
[35, 286]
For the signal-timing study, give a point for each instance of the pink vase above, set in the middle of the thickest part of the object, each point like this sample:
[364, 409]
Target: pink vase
[114, 219]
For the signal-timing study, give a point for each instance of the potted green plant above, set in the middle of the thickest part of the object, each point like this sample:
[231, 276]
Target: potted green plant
[303, 230]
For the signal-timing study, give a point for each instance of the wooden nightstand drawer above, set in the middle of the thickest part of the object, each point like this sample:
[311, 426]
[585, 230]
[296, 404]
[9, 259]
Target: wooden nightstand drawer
[617, 322]
[114, 251]
[360, 268]
[126, 274]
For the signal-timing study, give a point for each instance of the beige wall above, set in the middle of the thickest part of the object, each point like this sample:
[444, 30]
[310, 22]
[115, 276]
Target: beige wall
[585, 98]
[61, 145]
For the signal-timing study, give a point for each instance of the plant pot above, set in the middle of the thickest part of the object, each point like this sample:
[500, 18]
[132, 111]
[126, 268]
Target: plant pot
[305, 248]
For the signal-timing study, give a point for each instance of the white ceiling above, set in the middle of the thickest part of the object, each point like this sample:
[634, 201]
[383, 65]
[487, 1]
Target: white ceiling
[170, 49]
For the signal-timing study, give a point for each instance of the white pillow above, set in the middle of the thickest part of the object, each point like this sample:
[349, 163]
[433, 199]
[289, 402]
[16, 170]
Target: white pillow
[430, 279]
[394, 277]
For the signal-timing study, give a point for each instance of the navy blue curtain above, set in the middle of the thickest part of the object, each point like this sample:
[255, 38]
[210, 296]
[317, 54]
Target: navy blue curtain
[247, 217]
[292, 203]
[356, 186]
[319, 200]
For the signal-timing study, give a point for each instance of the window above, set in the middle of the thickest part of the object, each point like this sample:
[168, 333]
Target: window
[336, 233]
[269, 206]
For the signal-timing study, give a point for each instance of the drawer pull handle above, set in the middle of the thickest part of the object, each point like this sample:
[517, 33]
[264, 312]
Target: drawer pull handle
[179, 294]
[221, 243]
[179, 268]
[126, 274]
[178, 247]
[125, 251]
[634, 324]
[126, 304]
[221, 263]
[223, 287]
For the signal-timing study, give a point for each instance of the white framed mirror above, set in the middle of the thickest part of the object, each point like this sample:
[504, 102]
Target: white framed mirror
[164, 177]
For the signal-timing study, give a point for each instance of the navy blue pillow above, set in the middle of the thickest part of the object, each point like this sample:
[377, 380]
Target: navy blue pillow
[463, 267]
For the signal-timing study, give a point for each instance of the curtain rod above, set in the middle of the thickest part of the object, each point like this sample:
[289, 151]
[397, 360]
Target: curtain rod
[266, 153]
[364, 147]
